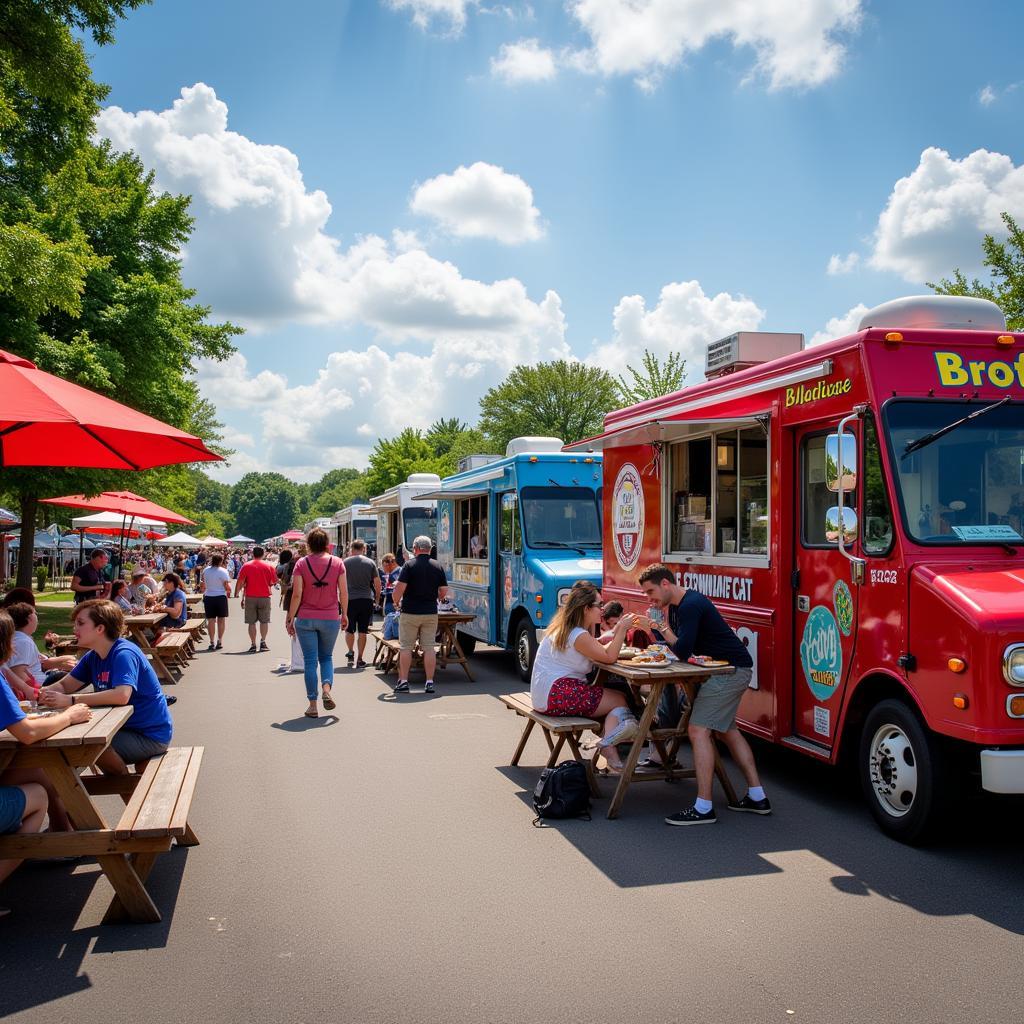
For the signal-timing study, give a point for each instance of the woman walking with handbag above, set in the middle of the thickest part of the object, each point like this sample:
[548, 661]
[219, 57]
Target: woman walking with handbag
[317, 612]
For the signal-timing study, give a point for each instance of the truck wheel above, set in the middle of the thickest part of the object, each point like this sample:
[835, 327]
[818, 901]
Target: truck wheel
[525, 648]
[466, 642]
[901, 772]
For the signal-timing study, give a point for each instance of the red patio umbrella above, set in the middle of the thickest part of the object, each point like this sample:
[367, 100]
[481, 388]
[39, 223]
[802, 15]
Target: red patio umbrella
[293, 535]
[47, 421]
[125, 502]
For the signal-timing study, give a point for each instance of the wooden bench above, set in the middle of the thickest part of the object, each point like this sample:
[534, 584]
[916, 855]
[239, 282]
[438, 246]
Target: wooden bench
[157, 808]
[174, 649]
[194, 627]
[385, 655]
[557, 731]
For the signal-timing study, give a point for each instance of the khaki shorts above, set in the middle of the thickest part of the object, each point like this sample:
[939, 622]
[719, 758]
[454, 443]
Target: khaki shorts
[257, 609]
[718, 700]
[411, 627]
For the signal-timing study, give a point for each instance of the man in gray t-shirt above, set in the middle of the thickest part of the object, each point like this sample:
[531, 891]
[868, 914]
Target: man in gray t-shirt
[363, 593]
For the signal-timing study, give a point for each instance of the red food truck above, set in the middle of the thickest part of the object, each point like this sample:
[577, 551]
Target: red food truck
[856, 512]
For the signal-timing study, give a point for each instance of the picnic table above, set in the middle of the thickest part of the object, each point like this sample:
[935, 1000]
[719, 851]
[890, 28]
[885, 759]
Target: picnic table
[665, 740]
[449, 651]
[157, 800]
[136, 626]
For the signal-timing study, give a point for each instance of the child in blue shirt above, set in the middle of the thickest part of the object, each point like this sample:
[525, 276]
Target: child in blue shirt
[120, 674]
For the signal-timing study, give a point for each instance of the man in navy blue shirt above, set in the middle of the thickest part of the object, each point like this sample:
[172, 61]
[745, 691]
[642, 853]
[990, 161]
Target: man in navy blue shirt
[120, 674]
[695, 626]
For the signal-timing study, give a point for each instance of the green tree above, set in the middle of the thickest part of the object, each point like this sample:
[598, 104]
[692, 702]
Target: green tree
[655, 380]
[1005, 262]
[392, 460]
[264, 504]
[561, 399]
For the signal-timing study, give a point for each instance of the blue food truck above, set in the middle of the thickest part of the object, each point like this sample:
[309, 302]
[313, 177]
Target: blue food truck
[513, 535]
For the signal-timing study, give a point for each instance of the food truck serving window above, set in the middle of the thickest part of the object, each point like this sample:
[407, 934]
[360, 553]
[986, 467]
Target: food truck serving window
[560, 517]
[718, 489]
[960, 481]
[471, 539]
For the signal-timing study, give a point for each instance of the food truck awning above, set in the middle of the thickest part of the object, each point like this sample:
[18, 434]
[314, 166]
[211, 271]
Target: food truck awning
[468, 492]
[664, 430]
[390, 505]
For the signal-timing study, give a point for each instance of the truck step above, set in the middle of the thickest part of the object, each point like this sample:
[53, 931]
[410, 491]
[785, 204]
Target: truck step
[807, 746]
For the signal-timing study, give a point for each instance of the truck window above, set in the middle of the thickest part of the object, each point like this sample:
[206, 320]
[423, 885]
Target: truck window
[877, 525]
[690, 487]
[964, 485]
[471, 537]
[510, 539]
[560, 517]
[817, 498]
[419, 521]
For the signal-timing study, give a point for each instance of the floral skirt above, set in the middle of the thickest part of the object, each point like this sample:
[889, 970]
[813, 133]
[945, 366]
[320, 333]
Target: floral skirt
[570, 696]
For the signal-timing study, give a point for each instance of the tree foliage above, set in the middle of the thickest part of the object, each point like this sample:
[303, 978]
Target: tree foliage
[394, 459]
[1005, 262]
[561, 399]
[655, 379]
[90, 285]
[264, 504]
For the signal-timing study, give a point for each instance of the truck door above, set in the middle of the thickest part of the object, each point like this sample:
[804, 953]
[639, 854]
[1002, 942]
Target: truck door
[507, 586]
[825, 614]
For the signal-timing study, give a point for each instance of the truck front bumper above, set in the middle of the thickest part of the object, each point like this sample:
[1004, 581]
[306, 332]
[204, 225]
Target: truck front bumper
[1002, 771]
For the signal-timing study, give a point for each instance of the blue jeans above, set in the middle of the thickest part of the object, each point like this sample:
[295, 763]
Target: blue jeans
[317, 638]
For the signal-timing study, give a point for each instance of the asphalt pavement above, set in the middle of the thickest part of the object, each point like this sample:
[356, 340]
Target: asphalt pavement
[379, 865]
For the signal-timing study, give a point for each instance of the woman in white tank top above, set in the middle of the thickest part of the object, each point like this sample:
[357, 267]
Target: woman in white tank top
[567, 654]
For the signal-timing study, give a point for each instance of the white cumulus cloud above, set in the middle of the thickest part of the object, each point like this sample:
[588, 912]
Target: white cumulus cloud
[524, 61]
[426, 13]
[797, 43]
[839, 326]
[480, 201]
[261, 254]
[987, 96]
[684, 320]
[936, 217]
[842, 264]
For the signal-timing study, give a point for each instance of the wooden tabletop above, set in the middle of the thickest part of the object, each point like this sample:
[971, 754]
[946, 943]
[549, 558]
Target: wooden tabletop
[99, 730]
[449, 617]
[146, 619]
[677, 671]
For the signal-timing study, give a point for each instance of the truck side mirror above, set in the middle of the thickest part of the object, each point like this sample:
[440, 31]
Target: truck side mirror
[849, 525]
[841, 477]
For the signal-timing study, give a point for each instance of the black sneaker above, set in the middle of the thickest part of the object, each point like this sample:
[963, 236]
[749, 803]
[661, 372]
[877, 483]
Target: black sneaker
[360, 663]
[350, 656]
[428, 687]
[252, 649]
[401, 687]
[691, 816]
[212, 647]
[170, 698]
[752, 806]
[264, 647]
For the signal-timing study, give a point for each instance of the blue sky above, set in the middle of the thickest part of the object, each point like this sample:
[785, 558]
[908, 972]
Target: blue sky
[403, 199]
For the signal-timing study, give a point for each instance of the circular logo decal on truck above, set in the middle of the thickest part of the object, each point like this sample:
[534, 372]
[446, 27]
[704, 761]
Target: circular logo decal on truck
[628, 516]
[843, 601]
[821, 653]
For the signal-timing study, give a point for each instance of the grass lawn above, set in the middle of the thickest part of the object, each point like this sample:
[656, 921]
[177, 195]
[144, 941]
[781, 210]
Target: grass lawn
[57, 619]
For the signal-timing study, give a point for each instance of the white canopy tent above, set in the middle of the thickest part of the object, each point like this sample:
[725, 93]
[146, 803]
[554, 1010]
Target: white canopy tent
[119, 522]
[213, 542]
[241, 539]
[179, 540]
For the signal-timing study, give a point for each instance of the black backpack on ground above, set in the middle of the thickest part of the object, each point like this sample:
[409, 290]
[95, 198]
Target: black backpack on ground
[562, 792]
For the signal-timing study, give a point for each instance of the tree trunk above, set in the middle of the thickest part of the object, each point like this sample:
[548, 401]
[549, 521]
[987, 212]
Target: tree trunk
[29, 511]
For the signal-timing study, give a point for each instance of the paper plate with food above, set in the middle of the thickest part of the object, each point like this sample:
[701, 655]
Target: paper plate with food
[628, 653]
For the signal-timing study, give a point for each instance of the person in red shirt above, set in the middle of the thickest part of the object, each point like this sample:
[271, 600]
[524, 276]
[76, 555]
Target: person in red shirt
[255, 580]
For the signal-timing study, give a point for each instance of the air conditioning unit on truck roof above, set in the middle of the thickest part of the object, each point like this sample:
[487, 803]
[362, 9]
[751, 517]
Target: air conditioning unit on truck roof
[748, 348]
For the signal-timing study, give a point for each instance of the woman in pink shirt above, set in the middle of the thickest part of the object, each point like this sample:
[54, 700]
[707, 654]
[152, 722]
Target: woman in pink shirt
[318, 611]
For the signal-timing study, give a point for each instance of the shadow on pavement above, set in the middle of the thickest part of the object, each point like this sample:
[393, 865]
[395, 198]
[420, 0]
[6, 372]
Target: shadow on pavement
[43, 951]
[968, 871]
[304, 724]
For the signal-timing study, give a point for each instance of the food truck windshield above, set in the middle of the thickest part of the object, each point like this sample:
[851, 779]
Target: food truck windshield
[419, 522]
[960, 480]
[560, 517]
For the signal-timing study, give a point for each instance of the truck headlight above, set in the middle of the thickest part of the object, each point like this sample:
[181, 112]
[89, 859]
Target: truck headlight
[563, 596]
[1013, 664]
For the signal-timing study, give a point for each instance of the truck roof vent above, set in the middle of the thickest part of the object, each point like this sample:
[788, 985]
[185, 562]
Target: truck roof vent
[748, 348]
[938, 312]
[424, 478]
[533, 445]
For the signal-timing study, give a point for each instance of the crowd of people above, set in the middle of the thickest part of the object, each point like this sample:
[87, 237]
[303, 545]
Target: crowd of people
[323, 594]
